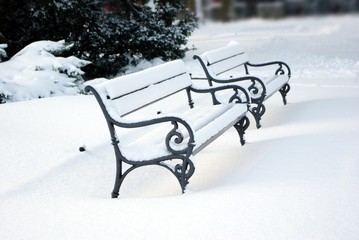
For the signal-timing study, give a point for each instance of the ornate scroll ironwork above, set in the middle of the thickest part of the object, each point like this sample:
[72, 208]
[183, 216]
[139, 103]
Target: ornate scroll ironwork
[253, 89]
[184, 172]
[280, 70]
[236, 98]
[241, 127]
[175, 136]
[283, 91]
[258, 111]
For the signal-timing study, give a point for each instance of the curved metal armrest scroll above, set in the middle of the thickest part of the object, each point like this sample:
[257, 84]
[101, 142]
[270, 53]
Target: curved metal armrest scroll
[279, 71]
[174, 139]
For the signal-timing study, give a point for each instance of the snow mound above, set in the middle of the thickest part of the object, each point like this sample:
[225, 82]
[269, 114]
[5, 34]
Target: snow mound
[37, 72]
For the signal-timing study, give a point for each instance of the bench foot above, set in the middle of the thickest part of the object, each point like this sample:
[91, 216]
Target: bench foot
[183, 172]
[241, 127]
[257, 112]
[114, 195]
[283, 91]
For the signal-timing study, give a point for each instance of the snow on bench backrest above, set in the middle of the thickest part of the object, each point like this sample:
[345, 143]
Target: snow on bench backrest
[131, 92]
[226, 58]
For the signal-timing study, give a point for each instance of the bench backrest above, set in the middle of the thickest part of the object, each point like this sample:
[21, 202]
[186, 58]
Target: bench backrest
[134, 91]
[224, 59]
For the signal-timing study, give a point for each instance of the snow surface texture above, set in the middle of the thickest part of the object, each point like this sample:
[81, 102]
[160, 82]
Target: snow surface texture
[296, 178]
[36, 72]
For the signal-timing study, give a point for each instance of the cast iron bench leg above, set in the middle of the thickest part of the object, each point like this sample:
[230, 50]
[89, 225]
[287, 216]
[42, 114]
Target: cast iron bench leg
[241, 127]
[283, 91]
[257, 112]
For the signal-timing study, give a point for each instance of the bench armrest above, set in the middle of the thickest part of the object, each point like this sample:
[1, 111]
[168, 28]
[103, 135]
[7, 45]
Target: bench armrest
[238, 92]
[213, 77]
[257, 88]
[173, 137]
[279, 71]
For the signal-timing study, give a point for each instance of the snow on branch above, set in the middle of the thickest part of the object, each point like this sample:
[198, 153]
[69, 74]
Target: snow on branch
[2, 51]
[37, 72]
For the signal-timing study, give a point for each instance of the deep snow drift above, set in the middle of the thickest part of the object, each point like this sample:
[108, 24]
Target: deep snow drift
[296, 178]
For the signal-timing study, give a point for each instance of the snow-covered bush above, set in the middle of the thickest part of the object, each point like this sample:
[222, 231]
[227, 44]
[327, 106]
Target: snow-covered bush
[38, 71]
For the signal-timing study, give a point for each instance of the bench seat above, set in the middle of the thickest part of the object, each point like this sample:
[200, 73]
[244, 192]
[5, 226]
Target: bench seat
[206, 121]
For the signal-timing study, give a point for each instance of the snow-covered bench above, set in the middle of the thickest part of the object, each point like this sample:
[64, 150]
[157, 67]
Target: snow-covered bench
[165, 139]
[230, 65]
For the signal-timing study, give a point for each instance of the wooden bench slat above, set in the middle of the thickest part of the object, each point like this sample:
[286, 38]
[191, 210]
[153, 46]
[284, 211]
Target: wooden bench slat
[229, 64]
[153, 93]
[219, 54]
[128, 83]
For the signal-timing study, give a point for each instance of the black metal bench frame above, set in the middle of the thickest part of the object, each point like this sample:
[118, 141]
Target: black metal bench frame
[185, 169]
[257, 84]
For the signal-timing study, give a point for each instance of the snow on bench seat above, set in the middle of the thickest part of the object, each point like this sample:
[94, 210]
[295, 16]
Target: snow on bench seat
[206, 121]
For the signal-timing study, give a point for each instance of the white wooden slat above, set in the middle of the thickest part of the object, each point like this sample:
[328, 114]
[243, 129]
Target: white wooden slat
[150, 94]
[223, 52]
[228, 63]
[123, 85]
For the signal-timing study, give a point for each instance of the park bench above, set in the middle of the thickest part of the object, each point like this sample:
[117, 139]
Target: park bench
[230, 65]
[169, 140]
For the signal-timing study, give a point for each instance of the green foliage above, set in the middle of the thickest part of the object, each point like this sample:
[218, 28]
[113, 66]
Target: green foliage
[163, 33]
[110, 41]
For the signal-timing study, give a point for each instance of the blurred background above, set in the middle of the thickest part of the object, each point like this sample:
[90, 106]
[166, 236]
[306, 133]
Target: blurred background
[229, 10]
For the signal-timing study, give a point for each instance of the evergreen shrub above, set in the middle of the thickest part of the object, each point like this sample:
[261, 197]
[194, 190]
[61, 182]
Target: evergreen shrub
[111, 40]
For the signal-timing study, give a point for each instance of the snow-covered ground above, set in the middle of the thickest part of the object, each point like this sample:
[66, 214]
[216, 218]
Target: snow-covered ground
[296, 178]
